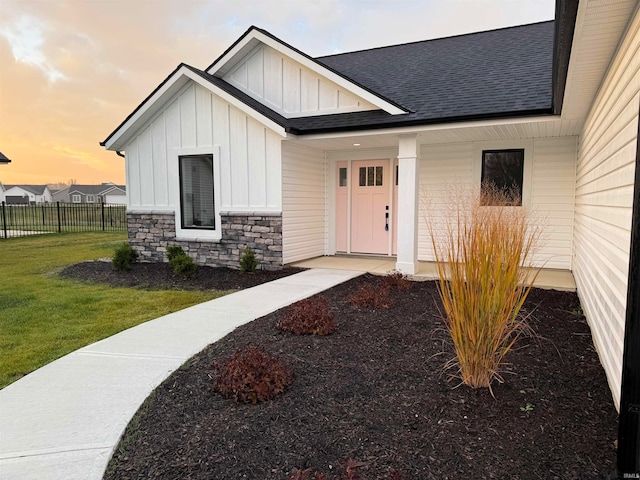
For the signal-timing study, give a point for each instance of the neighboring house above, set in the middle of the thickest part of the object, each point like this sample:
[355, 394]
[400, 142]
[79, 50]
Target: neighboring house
[2, 188]
[114, 194]
[300, 157]
[105, 193]
[3, 159]
[25, 194]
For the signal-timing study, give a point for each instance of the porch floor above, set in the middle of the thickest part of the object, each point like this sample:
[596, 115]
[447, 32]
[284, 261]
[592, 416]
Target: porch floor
[379, 265]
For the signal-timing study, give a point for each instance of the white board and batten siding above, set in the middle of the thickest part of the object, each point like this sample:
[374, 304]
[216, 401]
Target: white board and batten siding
[303, 202]
[198, 121]
[548, 190]
[290, 88]
[604, 199]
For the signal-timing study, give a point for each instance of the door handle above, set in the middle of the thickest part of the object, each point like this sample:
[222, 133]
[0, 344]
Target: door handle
[386, 219]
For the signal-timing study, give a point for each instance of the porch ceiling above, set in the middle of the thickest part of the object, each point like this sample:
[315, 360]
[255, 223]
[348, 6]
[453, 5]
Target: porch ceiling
[551, 126]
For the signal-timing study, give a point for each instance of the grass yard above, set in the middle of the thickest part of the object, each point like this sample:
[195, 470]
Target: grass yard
[43, 317]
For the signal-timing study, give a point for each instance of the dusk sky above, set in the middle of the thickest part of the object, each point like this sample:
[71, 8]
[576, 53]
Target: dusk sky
[73, 70]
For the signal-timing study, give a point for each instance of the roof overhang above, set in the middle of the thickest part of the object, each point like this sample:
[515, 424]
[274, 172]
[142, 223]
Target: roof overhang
[599, 30]
[254, 36]
[565, 23]
[171, 85]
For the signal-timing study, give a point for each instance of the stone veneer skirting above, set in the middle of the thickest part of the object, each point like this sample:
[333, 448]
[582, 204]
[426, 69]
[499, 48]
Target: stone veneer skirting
[151, 233]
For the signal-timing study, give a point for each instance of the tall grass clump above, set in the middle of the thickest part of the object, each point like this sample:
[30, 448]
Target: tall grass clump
[482, 285]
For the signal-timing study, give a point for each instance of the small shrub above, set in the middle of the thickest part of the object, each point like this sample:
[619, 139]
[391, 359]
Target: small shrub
[308, 317]
[397, 280]
[174, 251]
[253, 375]
[183, 265]
[371, 295]
[248, 262]
[124, 256]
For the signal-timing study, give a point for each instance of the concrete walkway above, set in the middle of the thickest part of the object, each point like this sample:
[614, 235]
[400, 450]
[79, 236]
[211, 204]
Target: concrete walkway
[62, 421]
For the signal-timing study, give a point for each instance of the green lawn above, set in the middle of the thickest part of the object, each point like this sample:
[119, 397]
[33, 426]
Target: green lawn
[43, 317]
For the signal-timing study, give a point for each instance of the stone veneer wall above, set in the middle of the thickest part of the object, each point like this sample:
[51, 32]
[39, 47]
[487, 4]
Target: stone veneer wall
[150, 233]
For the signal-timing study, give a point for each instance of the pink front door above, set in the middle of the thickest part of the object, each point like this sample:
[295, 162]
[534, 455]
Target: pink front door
[370, 182]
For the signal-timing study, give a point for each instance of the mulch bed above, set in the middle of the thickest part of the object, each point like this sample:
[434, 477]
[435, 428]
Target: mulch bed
[374, 391]
[161, 276]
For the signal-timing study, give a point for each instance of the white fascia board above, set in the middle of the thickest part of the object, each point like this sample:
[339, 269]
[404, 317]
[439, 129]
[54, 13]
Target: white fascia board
[426, 128]
[310, 64]
[153, 105]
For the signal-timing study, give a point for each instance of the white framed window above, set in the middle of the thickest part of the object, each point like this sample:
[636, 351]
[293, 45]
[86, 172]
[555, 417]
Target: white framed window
[196, 192]
[197, 205]
[91, 199]
[75, 198]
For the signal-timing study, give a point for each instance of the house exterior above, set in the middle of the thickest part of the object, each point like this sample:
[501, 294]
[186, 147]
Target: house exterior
[26, 194]
[300, 157]
[104, 193]
[3, 159]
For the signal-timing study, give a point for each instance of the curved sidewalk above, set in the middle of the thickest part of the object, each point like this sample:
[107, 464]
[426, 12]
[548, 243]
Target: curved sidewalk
[64, 420]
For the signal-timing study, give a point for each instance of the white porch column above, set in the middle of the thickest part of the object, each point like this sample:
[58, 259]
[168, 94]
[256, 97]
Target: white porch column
[408, 184]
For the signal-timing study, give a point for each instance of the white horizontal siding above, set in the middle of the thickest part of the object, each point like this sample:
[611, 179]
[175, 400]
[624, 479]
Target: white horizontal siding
[289, 88]
[454, 168]
[604, 197]
[442, 169]
[249, 174]
[303, 202]
[552, 198]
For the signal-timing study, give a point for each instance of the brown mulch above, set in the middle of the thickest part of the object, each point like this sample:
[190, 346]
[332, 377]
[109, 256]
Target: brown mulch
[161, 276]
[374, 391]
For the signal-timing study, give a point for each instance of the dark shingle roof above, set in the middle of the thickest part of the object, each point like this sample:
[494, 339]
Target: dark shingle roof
[494, 74]
[35, 189]
[486, 73]
[4, 159]
[94, 189]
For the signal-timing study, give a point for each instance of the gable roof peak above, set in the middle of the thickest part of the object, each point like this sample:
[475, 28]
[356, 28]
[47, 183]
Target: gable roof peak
[255, 36]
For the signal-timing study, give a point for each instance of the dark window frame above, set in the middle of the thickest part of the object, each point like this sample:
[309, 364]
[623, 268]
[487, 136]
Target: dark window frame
[483, 181]
[209, 156]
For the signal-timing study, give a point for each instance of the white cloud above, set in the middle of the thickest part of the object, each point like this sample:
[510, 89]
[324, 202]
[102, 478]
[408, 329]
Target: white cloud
[25, 36]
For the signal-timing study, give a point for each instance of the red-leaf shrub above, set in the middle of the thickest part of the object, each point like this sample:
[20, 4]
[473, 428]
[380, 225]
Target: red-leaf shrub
[371, 295]
[253, 375]
[308, 317]
[397, 280]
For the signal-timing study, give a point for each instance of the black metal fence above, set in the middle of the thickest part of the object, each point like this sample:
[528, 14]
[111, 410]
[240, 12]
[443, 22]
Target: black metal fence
[24, 220]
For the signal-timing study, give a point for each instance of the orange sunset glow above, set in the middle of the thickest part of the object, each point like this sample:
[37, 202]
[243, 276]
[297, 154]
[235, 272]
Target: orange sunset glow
[73, 70]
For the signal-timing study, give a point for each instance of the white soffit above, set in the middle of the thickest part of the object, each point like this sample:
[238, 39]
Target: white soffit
[158, 100]
[507, 129]
[600, 25]
[248, 44]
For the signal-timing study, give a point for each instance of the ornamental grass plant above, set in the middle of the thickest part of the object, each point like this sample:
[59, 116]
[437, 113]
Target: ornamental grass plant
[482, 253]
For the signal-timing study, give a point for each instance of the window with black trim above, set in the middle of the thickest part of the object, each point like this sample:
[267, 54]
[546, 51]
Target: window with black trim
[503, 171]
[196, 192]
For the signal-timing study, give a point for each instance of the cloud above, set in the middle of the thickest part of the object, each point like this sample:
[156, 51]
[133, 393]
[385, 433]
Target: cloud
[25, 36]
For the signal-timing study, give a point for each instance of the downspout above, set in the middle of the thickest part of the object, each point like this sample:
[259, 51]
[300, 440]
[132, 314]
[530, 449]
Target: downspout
[628, 455]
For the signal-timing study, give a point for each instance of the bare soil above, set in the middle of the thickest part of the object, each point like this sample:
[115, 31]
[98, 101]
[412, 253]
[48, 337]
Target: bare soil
[375, 391]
